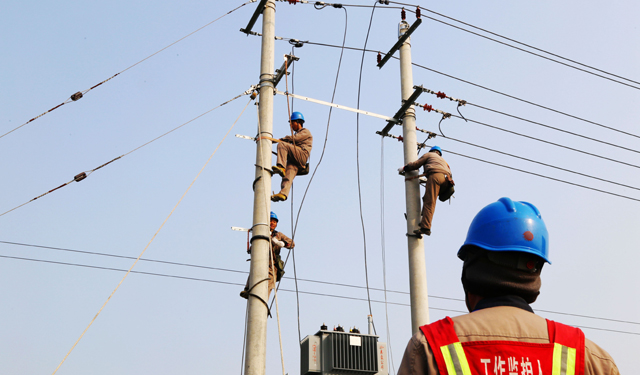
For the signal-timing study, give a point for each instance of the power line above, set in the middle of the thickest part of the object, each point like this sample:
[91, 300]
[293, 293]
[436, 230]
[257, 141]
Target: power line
[83, 175]
[545, 164]
[478, 86]
[513, 40]
[286, 290]
[78, 95]
[538, 55]
[364, 234]
[543, 176]
[285, 277]
[554, 128]
[549, 142]
[150, 241]
[526, 101]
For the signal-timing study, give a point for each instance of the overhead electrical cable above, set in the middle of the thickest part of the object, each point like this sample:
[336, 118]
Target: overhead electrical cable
[83, 175]
[481, 87]
[383, 250]
[285, 290]
[526, 101]
[536, 54]
[555, 128]
[599, 156]
[78, 95]
[289, 278]
[544, 176]
[541, 163]
[498, 41]
[515, 41]
[152, 238]
[364, 234]
[324, 147]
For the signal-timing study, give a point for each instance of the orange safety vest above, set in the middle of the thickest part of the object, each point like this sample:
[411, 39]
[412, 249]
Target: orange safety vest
[564, 355]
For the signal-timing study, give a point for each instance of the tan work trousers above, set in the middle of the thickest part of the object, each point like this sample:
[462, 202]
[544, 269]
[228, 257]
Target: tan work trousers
[434, 181]
[291, 158]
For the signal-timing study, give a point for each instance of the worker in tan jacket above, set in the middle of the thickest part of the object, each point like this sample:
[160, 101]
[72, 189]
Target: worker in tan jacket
[438, 173]
[293, 154]
[506, 247]
[276, 265]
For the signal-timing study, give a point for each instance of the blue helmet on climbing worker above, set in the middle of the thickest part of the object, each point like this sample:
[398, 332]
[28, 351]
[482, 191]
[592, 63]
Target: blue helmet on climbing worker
[298, 117]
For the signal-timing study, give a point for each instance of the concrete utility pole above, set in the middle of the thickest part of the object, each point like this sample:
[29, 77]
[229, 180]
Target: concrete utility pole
[256, 349]
[417, 268]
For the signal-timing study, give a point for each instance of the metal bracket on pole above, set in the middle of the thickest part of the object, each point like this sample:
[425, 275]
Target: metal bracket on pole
[399, 43]
[400, 139]
[401, 112]
[254, 18]
[280, 72]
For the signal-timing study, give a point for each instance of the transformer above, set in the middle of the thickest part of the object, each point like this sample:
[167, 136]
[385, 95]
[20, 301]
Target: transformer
[343, 353]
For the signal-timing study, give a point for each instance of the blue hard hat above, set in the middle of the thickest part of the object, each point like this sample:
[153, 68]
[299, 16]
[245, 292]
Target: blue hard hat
[297, 116]
[506, 225]
[436, 148]
[274, 216]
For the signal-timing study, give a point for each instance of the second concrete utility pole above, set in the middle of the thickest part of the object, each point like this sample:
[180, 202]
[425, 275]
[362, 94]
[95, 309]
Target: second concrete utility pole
[417, 267]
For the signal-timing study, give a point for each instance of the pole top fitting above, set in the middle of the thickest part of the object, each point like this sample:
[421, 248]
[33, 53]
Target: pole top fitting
[403, 27]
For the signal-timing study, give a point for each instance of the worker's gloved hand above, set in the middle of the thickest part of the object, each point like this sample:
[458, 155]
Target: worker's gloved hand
[401, 170]
[277, 242]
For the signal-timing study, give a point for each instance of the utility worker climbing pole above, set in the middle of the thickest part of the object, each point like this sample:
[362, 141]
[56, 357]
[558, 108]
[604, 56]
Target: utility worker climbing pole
[507, 244]
[276, 265]
[293, 154]
[438, 176]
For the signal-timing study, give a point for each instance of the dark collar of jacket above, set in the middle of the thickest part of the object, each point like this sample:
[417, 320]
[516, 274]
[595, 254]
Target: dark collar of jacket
[514, 301]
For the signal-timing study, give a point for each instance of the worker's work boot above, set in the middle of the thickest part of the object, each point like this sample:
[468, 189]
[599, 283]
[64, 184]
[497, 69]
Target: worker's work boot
[279, 169]
[422, 231]
[278, 197]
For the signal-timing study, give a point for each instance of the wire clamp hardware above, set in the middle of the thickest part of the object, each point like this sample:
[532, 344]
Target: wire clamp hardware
[76, 96]
[79, 177]
[297, 43]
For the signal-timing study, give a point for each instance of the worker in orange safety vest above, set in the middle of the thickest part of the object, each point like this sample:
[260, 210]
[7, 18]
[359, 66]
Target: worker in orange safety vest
[507, 244]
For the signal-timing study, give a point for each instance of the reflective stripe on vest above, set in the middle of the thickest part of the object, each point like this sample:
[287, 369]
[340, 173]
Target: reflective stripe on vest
[564, 360]
[455, 359]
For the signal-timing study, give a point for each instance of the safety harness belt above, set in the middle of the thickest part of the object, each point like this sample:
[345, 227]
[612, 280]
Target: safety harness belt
[563, 355]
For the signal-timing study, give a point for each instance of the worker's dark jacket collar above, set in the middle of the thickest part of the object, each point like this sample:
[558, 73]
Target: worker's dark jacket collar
[510, 300]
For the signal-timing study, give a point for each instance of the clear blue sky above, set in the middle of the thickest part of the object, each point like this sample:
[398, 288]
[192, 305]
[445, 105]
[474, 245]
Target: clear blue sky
[162, 325]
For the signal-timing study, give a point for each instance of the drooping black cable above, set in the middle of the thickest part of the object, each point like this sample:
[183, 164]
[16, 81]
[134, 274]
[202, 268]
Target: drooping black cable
[364, 234]
[293, 232]
[294, 228]
[382, 246]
